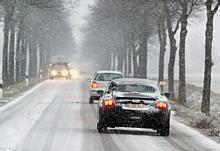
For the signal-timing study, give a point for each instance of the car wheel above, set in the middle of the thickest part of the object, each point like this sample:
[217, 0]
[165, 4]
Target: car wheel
[91, 100]
[101, 127]
[165, 129]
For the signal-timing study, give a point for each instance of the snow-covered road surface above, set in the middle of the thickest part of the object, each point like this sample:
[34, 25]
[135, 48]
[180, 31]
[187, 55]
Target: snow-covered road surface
[56, 116]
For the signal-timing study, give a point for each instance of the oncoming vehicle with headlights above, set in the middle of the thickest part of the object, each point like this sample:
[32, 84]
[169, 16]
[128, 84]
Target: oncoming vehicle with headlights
[59, 70]
[100, 81]
[131, 102]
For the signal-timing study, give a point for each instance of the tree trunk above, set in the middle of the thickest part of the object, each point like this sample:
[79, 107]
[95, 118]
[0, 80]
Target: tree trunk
[120, 60]
[173, 50]
[182, 72]
[142, 70]
[205, 106]
[162, 39]
[33, 59]
[130, 53]
[113, 59]
[126, 61]
[24, 48]
[129, 62]
[171, 65]
[135, 65]
[18, 56]
[5, 50]
[12, 55]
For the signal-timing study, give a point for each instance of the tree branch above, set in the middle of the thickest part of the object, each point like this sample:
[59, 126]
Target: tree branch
[216, 7]
[177, 26]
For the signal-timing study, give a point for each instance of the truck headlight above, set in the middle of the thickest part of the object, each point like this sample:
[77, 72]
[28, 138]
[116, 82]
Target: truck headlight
[65, 73]
[54, 73]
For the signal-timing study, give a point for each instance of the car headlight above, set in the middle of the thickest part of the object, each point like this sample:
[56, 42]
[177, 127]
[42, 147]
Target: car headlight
[54, 73]
[65, 73]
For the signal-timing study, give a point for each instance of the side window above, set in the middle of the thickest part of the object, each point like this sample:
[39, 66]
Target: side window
[107, 88]
[96, 76]
[111, 86]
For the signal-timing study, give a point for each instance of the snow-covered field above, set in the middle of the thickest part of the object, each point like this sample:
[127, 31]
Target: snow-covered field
[197, 80]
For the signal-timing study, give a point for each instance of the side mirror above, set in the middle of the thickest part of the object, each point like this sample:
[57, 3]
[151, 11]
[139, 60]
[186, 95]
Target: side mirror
[162, 83]
[113, 88]
[100, 92]
[89, 80]
[167, 95]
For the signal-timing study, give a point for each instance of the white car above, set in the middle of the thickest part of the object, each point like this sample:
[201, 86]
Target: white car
[100, 82]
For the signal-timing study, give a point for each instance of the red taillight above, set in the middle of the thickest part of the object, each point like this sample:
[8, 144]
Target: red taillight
[109, 103]
[94, 84]
[162, 105]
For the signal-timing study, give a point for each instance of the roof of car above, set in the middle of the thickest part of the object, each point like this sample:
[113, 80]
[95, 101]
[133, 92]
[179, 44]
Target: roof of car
[109, 71]
[134, 81]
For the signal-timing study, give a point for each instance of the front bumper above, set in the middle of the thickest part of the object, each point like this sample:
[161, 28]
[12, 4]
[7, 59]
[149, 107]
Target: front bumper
[133, 118]
[93, 93]
[59, 75]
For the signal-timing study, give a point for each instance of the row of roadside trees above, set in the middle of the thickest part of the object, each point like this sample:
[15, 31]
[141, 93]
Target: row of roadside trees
[34, 30]
[119, 33]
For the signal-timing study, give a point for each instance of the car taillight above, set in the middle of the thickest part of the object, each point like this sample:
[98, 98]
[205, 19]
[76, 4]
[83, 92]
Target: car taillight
[109, 103]
[162, 105]
[94, 84]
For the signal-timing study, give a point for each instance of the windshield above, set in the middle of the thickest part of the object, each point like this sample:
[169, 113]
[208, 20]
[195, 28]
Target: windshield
[59, 67]
[107, 76]
[135, 88]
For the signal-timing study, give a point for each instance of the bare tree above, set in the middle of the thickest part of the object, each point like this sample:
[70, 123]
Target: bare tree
[187, 7]
[33, 30]
[205, 106]
[133, 24]
[171, 8]
[162, 40]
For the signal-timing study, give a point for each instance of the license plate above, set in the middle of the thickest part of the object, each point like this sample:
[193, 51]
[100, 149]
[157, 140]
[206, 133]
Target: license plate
[135, 106]
[136, 118]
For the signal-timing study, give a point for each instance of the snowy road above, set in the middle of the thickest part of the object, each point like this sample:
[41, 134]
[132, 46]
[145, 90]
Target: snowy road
[56, 116]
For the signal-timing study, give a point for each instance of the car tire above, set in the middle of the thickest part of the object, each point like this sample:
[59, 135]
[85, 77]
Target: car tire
[100, 127]
[91, 100]
[165, 129]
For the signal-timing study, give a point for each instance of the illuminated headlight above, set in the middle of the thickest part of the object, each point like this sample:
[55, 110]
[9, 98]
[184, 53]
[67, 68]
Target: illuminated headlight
[64, 73]
[54, 73]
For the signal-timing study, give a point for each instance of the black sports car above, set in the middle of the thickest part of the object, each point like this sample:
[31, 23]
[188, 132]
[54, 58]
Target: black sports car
[130, 102]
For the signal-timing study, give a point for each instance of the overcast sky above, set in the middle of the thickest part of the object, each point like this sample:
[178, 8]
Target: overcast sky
[78, 18]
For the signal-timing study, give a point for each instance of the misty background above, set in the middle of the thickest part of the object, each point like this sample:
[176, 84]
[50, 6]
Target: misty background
[195, 45]
[76, 18]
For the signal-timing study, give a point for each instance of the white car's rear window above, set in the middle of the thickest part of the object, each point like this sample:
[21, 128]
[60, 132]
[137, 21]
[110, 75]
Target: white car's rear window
[107, 76]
